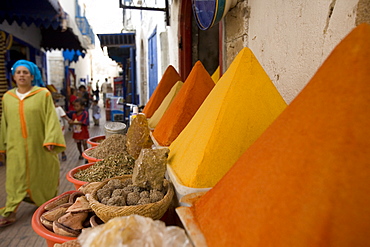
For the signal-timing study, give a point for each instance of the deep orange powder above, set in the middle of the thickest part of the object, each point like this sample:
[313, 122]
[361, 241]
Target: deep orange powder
[169, 78]
[185, 104]
[305, 181]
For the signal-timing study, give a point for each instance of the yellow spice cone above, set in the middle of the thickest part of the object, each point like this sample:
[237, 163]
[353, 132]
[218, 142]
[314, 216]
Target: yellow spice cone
[243, 103]
[153, 121]
[216, 75]
[305, 181]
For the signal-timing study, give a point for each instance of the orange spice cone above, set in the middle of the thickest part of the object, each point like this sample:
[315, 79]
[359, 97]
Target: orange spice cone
[243, 103]
[305, 181]
[183, 107]
[169, 78]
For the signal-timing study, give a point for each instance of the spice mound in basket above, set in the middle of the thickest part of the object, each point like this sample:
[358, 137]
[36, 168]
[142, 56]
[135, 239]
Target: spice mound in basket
[146, 193]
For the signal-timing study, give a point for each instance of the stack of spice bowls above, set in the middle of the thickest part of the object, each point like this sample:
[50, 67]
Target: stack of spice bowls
[95, 140]
[50, 237]
[89, 158]
[70, 175]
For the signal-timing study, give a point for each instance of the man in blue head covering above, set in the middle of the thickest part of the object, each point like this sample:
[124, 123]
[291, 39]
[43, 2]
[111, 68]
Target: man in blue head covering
[31, 137]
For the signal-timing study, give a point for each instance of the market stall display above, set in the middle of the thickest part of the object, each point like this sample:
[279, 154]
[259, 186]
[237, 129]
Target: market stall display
[305, 181]
[243, 103]
[169, 78]
[196, 88]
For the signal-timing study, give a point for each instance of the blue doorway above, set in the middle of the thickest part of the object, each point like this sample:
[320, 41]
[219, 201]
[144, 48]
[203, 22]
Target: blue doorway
[153, 62]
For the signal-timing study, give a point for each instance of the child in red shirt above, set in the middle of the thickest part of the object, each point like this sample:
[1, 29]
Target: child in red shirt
[80, 121]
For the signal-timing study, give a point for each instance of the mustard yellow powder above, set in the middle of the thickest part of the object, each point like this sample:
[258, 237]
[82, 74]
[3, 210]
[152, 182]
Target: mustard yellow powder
[216, 75]
[157, 115]
[243, 103]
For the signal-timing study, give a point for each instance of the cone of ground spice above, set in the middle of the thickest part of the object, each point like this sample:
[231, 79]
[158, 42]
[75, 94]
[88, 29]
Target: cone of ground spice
[153, 121]
[216, 75]
[243, 103]
[169, 78]
[183, 107]
[305, 181]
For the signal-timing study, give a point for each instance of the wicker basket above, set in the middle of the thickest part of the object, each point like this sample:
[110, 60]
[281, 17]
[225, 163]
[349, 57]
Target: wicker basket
[153, 210]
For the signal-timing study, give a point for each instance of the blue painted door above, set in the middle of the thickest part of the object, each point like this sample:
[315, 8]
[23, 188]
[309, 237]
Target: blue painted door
[153, 63]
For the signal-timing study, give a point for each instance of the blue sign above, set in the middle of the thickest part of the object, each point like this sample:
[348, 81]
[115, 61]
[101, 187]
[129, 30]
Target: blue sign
[208, 12]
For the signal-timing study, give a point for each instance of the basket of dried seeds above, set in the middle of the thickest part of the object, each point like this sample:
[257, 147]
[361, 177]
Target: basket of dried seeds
[119, 197]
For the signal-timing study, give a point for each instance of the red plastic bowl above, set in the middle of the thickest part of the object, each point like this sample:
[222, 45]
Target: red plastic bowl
[89, 158]
[93, 141]
[77, 183]
[50, 237]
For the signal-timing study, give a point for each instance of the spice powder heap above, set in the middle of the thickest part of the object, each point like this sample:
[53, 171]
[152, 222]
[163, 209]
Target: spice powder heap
[114, 144]
[241, 106]
[169, 78]
[305, 181]
[153, 121]
[185, 104]
[216, 75]
[112, 166]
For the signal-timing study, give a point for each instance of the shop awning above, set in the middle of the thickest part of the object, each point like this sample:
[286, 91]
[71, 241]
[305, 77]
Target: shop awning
[57, 39]
[118, 45]
[117, 39]
[48, 15]
[42, 13]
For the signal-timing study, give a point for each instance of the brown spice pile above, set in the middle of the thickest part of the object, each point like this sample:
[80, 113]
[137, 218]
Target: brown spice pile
[112, 166]
[114, 144]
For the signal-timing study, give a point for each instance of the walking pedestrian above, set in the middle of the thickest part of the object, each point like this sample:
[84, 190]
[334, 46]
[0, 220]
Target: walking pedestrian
[104, 89]
[31, 138]
[79, 119]
[95, 112]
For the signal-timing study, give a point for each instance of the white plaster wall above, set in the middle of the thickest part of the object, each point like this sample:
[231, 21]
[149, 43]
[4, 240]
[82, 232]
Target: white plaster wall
[291, 39]
[173, 40]
[55, 67]
[145, 22]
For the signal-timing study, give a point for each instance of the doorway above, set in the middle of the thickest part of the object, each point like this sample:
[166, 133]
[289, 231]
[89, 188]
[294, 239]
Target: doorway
[153, 62]
[196, 44]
